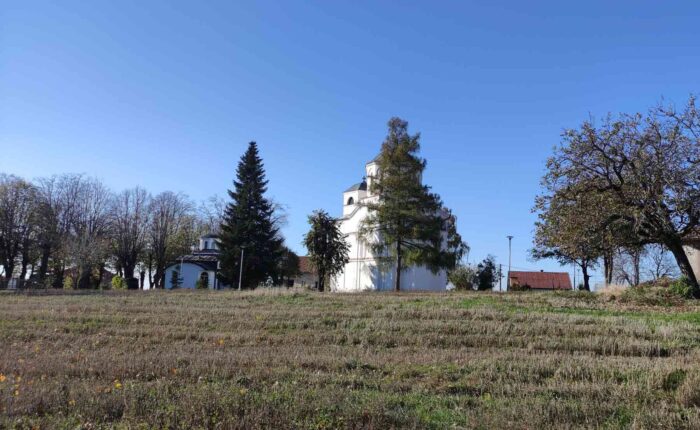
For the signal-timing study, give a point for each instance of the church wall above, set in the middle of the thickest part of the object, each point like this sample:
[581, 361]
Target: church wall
[190, 275]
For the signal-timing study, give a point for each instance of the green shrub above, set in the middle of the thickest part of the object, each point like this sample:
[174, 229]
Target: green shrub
[681, 287]
[118, 283]
[201, 285]
[462, 277]
[67, 283]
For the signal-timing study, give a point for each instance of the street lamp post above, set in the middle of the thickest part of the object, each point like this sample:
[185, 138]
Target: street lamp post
[240, 272]
[510, 240]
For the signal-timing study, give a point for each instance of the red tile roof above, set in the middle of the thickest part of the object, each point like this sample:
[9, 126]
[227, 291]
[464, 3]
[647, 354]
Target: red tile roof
[540, 280]
[305, 265]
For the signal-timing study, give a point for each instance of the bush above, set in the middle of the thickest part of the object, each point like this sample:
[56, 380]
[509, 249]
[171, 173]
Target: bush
[118, 283]
[681, 287]
[67, 283]
[462, 277]
[201, 285]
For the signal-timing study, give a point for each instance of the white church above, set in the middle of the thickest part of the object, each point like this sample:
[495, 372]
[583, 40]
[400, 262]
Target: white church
[365, 271]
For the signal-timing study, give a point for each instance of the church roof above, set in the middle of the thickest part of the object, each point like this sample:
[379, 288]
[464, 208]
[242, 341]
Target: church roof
[361, 186]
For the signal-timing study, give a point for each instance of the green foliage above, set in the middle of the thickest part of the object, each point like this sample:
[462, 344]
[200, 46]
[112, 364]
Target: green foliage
[200, 284]
[288, 265]
[682, 287]
[407, 218]
[328, 249]
[486, 273]
[68, 283]
[643, 168]
[118, 283]
[249, 223]
[463, 277]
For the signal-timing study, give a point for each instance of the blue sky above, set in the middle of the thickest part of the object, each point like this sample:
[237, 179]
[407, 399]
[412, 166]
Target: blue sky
[166, 95]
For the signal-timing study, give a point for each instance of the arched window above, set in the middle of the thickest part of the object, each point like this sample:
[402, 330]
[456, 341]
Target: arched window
[206, 245]
[351, 201]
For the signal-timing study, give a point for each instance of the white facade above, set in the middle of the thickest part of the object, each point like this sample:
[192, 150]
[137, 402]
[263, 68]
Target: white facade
[201, 264]
[364, 271]
[190, 273]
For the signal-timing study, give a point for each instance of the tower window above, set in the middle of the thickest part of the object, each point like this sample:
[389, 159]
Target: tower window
[351, 201]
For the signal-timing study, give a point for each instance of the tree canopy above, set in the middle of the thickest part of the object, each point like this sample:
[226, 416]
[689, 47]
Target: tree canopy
[407, 220]
[249, 224]
[328, 249]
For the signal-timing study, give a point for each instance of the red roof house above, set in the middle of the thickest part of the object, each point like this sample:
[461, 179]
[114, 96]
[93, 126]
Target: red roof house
[539, 280]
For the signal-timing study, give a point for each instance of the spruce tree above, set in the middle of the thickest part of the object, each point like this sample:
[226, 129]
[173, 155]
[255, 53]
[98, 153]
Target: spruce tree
[407, 219]
[249, 224]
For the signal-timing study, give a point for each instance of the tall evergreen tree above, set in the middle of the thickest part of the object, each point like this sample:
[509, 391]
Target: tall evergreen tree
[249, 224]
[407, 219]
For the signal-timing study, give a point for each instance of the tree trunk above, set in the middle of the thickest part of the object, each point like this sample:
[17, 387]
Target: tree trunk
[397, 280]
[686, 269]
[142, 278]
[321, 278]
[131, 282]
[150, 271]
[44, 264]
[586, 277]
[637, 260]
[608, 267]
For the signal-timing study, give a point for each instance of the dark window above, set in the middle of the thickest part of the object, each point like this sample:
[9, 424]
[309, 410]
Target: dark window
[206, 244]
[351, 201]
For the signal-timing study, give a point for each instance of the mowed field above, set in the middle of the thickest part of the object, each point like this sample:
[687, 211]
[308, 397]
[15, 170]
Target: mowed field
[285, 359]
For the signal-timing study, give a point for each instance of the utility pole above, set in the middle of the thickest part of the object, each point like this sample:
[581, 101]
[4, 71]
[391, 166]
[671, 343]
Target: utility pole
[510, 240]
[500, 277]
[240, 273]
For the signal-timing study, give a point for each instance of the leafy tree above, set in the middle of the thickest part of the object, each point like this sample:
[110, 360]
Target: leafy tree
[406, 221]
[288, 265]
[486, 273]
[568, 231]
[249, 223]
[463, 277]
[648, 164]
[328, 249]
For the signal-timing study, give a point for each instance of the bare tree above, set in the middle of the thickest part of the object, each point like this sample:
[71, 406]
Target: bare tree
[17, 222]
[90, 226]
[59, 198]
[171, 215]
[129, 227]
[629, 263]
[658, 263]
[210, 214]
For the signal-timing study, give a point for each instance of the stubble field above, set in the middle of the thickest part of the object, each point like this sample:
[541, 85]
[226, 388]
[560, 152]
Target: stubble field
[285, 359]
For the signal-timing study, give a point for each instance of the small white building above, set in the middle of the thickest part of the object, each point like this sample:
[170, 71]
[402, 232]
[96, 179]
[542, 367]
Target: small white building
[202, 264]
[365, 271]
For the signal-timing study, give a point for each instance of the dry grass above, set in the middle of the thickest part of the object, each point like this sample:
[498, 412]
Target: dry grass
[205, 359]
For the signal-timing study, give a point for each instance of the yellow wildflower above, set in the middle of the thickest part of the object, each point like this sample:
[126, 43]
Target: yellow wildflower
[117, 384]
[221, 342]
[71, 402]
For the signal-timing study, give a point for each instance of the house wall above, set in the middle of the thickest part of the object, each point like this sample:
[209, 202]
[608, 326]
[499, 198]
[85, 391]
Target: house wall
[693, 254]
[190, 274]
